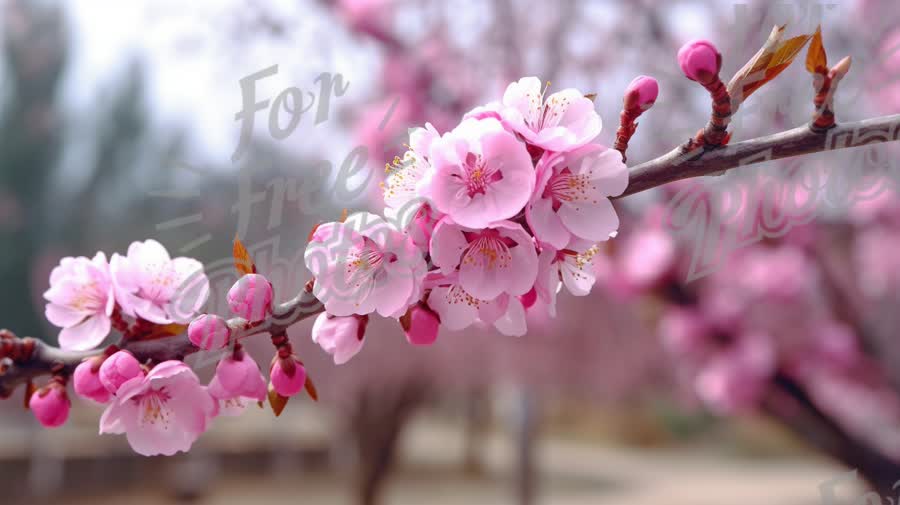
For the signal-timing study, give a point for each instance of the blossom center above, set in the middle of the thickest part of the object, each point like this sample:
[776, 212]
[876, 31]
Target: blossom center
[154, 407]
[478, 175]
[546, 114]
[488, 250]
[161, 282]
[367, 262]
[564, 186]
[88, 298]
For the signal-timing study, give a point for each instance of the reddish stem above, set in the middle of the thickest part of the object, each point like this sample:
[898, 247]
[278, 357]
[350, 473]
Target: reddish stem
[823, 117]
[715, 133]
[626, 130]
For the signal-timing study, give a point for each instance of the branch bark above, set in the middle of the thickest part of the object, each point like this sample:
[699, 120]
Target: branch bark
[676, 165]
[45, 358]
[681, 164]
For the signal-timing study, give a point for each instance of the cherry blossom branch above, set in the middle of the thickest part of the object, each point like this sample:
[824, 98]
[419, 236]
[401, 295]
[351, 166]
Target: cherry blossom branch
[24, 359]
[681, 163]
[676, 165]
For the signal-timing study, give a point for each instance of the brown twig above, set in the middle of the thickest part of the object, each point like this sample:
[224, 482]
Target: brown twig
[679, 164]
[25, 359]
[675, 165]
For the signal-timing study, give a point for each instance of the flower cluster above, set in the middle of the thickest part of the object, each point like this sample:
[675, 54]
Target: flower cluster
[147, 284]
[161, 406]
[480, 223]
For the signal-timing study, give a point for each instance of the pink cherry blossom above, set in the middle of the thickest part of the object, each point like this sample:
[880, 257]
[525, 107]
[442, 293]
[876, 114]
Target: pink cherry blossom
[563, 121]
[407, 189]
[86, 380]
[251, 297]
[342, 337]
[879, 273]
[118, 369]
[457, 310]
[50, 405]
[161, 413]
[81, 301]
[572, 267]
[835, 344]
[365, 265]
[365, 16]
[494, 260]
[422, 226]
[287, 375]
[571, 197]
[684, 331]
[151, 285]
[238, 382]
[408, 184]
[422, 326]
[482, 173]
[735, 379]
[489, 110]
[648, 256]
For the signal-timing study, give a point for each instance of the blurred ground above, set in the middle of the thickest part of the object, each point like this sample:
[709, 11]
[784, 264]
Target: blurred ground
[572, 471]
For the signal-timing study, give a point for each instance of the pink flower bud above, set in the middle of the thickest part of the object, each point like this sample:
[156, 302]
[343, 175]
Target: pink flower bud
[50, 405]
[699, 60]
[209, 332]
[342, 337]
[239, 377]
[287, 375]
[119, 369]
[87, 382]
[641, 93]
[251, 297]
[421, 325]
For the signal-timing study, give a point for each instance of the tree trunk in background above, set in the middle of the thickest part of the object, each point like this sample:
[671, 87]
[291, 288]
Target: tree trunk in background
[477, 420]
[380, 414]
[526, 420]
[793, 407]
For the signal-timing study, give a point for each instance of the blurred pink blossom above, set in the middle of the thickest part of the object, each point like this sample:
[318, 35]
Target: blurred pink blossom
[735, 379]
